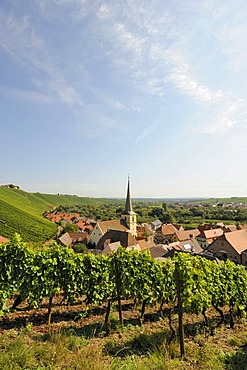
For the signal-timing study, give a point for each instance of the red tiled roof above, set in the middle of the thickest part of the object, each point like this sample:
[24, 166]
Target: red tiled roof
[187, 234]
[237, 239]
[3, 240]
[213, 233]
[168, 229]
[113, 225]
[78, 237]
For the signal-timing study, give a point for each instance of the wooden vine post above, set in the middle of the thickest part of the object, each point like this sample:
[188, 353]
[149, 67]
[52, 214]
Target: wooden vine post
[118, 286]
[180, 312]
[49, 311]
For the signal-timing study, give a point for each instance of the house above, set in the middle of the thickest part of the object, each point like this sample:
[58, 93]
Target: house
[10, 186]
[158, 251]
[231, 245]
[69, 239]
[206, 237]
[164, 234]
[79, 238]
[155, 224]
[145, 232]
[186, 234]
[113, 247]
[101, 228]
[85, 224]
[65, 240]
[145, 244]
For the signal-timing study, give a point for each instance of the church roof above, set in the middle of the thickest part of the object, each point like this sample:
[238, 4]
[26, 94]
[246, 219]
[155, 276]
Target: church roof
[128, 204]
[112, 236]
[113, 225]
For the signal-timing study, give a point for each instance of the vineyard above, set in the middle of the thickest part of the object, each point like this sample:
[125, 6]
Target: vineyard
[185, 284]
[21, 212]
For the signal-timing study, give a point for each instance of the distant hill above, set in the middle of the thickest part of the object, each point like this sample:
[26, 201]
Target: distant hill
[227, 200]
[21, 212]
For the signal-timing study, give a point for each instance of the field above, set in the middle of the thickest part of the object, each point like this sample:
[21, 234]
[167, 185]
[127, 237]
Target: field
[76, 340]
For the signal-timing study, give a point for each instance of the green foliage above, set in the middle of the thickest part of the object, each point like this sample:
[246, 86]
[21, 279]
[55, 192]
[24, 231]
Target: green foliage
[71, 228]
[79, 248]
[41, 274]
[31, 227]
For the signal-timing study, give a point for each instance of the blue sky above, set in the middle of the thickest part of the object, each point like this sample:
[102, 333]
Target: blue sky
[93, 90]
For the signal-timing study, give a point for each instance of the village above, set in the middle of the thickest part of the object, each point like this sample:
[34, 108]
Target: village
[213, 241]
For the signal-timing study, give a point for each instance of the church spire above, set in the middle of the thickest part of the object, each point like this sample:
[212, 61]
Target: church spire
[129, 216]
[128, 203]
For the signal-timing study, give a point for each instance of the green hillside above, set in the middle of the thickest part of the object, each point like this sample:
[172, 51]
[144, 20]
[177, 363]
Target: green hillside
[31, 227]
[22, 212]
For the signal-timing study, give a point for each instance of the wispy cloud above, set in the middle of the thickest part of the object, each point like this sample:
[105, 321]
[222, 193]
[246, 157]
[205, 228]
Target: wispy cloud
[76, 10]
[147, 47]
[189, 86]
[145, 132]
[31, 50]
[29, 95]
[228, 113]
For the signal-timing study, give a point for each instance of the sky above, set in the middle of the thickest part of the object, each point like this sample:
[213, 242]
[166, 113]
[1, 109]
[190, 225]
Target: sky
[91, 91]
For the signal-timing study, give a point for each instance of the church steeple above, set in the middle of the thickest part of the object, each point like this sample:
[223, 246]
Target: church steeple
[128, 203]
[129, 216]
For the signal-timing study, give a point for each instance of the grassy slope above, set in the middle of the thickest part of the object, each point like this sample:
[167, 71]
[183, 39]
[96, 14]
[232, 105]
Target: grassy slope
[28, 343]
[31, 227]
[22, 212]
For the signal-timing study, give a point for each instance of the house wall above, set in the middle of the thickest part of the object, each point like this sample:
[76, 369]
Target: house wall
[244, 259]
[202, 242]
[96, 234]
[160, 238]
[220, 245]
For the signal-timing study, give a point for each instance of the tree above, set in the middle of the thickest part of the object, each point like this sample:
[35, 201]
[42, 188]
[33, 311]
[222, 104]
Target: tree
[71, 228]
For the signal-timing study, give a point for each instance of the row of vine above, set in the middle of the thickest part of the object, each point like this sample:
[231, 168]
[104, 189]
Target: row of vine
[191, 284]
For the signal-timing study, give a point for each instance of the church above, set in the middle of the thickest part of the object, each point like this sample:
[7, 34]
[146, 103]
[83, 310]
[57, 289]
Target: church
[123, 230]
[107, 236]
